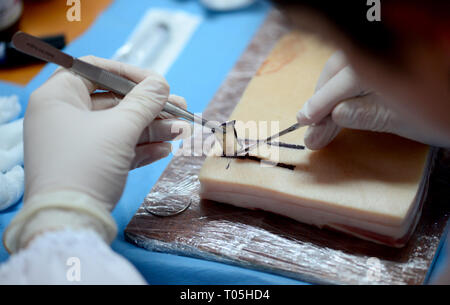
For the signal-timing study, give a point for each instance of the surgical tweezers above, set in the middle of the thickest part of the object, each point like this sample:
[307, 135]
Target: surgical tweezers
[272, 137]
[35, 47]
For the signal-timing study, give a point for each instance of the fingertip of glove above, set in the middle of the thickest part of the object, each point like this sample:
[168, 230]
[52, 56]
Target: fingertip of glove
[156, 82]
[162, 150]
[147, 99]
[302, 118]
[178, 100]
[312, 139]
[319, 136]
[306, 113]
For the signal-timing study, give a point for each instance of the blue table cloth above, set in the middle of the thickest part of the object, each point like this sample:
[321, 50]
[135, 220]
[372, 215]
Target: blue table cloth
[197, 74]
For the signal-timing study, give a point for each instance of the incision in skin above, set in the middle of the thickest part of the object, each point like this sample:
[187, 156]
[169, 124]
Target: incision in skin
[231, 144]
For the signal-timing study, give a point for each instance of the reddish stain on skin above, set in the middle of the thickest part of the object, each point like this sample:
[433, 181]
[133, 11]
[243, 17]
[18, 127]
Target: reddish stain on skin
[285, 53]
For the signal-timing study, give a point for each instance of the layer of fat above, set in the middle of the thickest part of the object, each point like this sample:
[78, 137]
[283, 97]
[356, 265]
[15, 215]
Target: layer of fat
[317, 213]
[351, 189]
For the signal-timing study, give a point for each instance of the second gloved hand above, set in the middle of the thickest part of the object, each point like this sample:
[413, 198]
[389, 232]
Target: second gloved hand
[342, 101]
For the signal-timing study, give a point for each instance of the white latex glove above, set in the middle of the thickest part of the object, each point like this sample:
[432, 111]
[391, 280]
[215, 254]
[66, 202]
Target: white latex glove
[342, 101]
[80, 145]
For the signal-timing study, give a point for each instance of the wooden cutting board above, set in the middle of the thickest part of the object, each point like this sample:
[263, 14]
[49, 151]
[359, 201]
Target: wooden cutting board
[272, 243]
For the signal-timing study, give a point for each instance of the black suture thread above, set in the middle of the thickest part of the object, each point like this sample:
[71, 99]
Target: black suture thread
[279, 144]
[253, 158]
[286, 145]
[247, 149]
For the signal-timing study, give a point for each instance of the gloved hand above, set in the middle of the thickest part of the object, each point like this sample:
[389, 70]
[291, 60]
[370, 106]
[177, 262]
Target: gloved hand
[342, 101]
[79, 146]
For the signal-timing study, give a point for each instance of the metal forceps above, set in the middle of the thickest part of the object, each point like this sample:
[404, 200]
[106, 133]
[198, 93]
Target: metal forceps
[35, 47]
[272, 137]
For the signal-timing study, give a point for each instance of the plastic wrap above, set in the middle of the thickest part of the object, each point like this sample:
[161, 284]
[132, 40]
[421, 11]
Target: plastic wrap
[158, 39]
[268, 242]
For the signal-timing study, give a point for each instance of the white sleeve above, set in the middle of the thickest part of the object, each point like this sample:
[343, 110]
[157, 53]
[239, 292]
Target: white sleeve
[68, 257]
